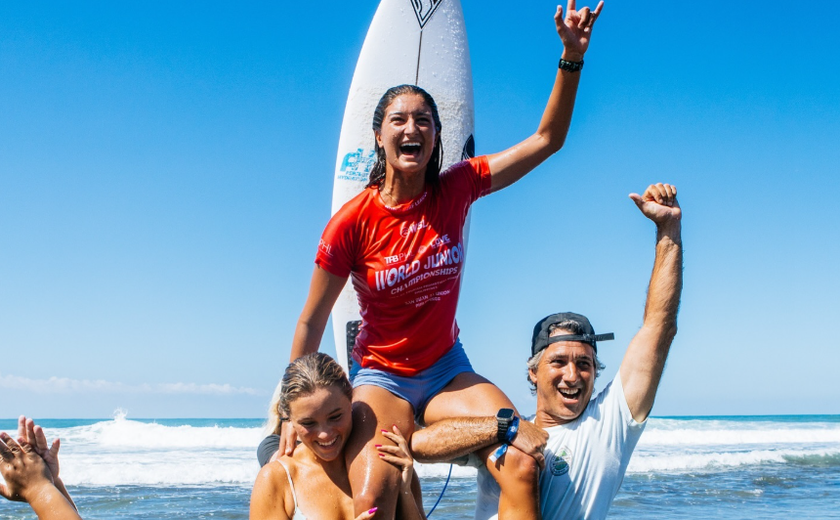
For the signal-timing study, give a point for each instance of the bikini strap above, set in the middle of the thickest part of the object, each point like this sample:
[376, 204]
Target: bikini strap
[291, 485]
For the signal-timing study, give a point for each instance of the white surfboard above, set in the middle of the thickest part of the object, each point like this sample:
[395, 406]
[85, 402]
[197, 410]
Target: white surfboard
[420, 42]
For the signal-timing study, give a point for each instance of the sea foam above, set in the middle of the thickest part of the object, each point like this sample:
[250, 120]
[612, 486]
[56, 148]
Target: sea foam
[199, 453]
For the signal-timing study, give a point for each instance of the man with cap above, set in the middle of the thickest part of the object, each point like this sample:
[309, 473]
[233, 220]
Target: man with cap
[590, 440]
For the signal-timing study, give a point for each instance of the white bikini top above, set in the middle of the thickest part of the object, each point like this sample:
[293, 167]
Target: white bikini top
[297, 514]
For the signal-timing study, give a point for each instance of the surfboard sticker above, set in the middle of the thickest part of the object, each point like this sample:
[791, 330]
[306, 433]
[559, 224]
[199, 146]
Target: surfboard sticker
[356, 165]
[421, 42]
[425, 9]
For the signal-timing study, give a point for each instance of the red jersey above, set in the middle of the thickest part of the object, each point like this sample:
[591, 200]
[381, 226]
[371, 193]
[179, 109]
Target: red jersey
[405, 263]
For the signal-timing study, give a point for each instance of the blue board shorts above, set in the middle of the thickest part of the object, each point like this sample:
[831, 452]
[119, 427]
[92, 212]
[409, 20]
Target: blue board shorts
[420, 389]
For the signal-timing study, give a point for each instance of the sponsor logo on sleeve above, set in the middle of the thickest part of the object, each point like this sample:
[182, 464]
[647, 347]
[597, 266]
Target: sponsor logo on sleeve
[325, 248]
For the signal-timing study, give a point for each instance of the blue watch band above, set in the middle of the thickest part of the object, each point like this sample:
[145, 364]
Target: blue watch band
[513, 429]
[498, 453]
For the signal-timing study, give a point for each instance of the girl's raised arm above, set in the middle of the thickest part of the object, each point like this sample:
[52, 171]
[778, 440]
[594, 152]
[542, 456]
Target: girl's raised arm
[512, 164]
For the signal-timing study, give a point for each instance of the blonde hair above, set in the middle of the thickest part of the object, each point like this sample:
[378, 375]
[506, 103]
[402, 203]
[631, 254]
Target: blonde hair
[302, 377]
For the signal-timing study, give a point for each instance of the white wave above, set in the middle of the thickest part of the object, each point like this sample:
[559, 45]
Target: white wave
[776, 436]
[642, 463]
[159, 469]
[125, 433]
[125, 452]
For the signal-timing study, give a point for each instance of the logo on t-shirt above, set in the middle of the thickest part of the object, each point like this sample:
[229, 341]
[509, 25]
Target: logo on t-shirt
[560, 464]
[325, 247]
[413, 227]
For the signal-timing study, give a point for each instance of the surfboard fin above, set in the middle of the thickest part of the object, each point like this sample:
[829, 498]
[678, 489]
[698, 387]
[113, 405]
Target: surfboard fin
[469, 149]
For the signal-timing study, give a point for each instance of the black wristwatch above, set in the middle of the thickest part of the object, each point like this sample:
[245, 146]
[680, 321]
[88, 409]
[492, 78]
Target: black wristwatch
[504, 418]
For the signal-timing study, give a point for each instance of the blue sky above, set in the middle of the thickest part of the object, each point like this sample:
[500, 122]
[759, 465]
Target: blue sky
[166, 172]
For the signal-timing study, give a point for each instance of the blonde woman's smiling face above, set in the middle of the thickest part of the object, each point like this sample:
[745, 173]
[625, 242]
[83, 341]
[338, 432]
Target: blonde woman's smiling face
[323, 421]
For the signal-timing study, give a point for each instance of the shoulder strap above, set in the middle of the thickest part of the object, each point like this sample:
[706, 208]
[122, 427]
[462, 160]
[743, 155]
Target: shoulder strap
[291, 485]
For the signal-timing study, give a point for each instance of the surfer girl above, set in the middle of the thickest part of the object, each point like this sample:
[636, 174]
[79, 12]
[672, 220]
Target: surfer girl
[312, 483]
[401, 242]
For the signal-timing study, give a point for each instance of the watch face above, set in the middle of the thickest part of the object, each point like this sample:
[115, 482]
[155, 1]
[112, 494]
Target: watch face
[505, 414]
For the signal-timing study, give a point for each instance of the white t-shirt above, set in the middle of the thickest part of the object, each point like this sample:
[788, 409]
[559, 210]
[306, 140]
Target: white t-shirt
[585, 461]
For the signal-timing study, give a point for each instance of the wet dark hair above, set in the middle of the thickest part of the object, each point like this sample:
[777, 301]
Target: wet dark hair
[377, 173]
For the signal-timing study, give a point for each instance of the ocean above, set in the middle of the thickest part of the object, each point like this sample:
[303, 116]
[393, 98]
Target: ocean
[684, 467]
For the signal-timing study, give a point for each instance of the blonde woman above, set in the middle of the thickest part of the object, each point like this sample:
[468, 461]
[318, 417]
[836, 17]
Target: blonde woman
[312, 483]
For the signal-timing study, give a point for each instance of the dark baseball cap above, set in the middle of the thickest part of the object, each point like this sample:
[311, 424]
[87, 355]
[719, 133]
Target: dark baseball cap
[541, 339]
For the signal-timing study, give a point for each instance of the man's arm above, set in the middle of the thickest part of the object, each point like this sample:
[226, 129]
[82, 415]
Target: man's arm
[644, 361]
[450, 439]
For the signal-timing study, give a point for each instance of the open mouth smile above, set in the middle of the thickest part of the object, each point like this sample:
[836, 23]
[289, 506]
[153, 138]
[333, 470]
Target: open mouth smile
[410, 148]
[327, 444]
[570, 393]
